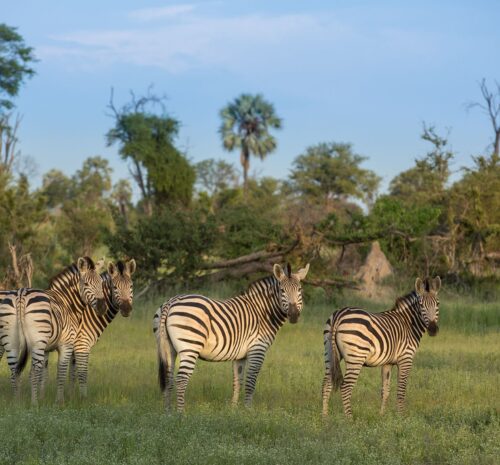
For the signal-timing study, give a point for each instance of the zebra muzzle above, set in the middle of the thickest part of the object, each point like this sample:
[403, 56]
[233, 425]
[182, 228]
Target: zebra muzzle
[432, 328]
[101, 307]
[293, 314]
[125, 309]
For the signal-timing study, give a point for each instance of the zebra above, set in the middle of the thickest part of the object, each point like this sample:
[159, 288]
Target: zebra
[11, 304]
[55, 326]
[240, 329]
[118, 292]
[382, 339]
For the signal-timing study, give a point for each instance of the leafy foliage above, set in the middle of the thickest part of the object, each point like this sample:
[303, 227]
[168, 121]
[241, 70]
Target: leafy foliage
[15, 65]
[245, 126]
[331, 171]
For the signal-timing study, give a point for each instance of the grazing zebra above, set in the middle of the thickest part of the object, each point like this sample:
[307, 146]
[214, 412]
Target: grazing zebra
[240, 329]
[11, 304]
[118, 292]
[382, 339]
[55, 327]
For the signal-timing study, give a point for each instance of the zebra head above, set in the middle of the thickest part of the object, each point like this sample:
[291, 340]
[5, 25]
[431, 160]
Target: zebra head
[91, 291]
[122, 288]
[291, 290]
[429, 303]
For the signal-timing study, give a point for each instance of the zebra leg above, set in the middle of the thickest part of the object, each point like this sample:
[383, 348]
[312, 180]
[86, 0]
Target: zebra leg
[350, 378]
[386, 385]
[2, 350]
[238, 377]
[187, 363]
[81, 360]
[64, 352]
[72, 370]
[12, 356]
[404, 368]
[172, 355]
[37, 365]
[255, 359]
[45, 376]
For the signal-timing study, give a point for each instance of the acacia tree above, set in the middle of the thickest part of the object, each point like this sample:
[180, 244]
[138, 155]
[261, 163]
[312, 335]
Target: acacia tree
[331, 171]
[146, 139]
[246, 122]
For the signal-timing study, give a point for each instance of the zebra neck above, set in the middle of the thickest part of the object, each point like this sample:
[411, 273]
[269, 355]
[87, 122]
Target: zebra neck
[409, 307]
[264, 296]
[64, 289]
[107, 287]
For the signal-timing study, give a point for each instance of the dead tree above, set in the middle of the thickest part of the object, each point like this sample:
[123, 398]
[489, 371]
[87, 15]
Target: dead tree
[8, 141]
[491, 107]
[20, 272]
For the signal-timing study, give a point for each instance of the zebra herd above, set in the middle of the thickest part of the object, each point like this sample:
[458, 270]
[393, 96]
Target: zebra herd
[80, 303]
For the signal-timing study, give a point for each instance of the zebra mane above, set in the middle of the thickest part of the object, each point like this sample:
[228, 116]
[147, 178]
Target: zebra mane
[65, 273]
[256, 286]
[403, 301]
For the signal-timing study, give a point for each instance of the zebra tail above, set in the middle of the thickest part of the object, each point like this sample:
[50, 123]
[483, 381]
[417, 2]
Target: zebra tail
[163, 348]
[332, 353]
[23, 344]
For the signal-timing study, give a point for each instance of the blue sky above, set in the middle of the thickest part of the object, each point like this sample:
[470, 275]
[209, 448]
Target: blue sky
[366, 72]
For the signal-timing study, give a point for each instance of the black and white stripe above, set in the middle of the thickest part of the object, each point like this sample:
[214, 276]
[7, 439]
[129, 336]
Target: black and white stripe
[118, 292]
[240, 329]
[12, 305]
[382, 339]
[55, 326]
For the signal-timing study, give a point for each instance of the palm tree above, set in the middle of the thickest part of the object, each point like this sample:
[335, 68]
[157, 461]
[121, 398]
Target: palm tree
[245, 125]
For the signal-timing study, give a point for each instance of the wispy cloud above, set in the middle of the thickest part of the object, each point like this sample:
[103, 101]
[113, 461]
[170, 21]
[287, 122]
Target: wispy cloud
[239, 43]
[150, 14]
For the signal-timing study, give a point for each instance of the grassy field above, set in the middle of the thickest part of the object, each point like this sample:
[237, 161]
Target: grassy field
[452, 417]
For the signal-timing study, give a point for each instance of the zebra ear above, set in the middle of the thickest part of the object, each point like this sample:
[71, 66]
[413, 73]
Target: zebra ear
[278, 272]
[419, 286]
[82, 265]
[302, 273]
[436, 284]
[111, 268]
[131, 267]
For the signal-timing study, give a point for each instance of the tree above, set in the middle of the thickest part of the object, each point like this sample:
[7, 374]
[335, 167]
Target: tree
[329, 172]
[146, 139]
[426, 181]
[491, 107]
[245, 126]
[84, 205]
[15, 65]
[215, 175]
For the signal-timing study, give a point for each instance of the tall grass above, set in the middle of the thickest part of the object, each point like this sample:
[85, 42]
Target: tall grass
[452, 402]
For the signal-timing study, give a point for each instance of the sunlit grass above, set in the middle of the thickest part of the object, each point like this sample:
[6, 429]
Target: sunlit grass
[452, 401]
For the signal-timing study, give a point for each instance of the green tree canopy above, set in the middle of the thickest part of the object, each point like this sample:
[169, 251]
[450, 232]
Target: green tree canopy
[425, 182]
[146, 139]
[331, 171]
[246, 122]
[15, 65]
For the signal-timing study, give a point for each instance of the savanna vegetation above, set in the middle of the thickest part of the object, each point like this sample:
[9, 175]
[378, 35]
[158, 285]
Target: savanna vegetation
[452, 403]
[190, 225]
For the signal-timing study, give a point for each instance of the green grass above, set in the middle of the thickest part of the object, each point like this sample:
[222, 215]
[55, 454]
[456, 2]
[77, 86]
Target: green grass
[452, 415]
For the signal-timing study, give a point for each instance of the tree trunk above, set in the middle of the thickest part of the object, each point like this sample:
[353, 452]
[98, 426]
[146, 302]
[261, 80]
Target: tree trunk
[245, 162]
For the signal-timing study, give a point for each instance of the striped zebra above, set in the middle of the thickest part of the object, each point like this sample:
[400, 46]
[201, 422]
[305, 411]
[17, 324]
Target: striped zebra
[382, 339]
[118, 292]
[12, 303]
[55, 326]
[240, 329]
